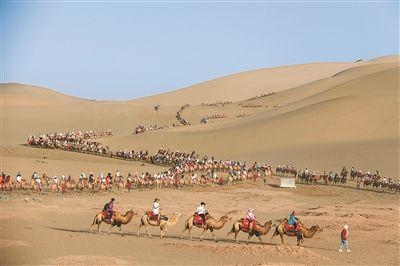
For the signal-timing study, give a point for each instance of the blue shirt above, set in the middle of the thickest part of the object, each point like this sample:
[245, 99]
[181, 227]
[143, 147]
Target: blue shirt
[292, 220]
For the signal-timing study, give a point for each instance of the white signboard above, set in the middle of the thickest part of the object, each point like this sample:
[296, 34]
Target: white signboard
[288, 182]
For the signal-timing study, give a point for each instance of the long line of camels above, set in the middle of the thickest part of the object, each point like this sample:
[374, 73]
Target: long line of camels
[211, 224]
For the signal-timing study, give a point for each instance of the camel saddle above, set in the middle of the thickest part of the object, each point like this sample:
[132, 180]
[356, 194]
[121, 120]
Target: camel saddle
[107, 215]
[152, 216]
[246, 224]
[288, 227]
[198, 220]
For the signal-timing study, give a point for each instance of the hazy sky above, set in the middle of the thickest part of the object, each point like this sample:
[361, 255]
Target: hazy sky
[106, 50]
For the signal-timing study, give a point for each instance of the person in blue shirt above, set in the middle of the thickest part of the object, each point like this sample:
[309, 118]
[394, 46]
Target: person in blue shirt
[293, 220]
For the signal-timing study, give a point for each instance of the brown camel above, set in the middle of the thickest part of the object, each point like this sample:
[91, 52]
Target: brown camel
[302, 232]
[211, 224]
[258, 230]
[118, 220]
[163, 224]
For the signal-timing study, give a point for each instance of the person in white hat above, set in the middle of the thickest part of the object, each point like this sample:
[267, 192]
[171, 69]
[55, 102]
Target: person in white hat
[344, 235]
[251, 218]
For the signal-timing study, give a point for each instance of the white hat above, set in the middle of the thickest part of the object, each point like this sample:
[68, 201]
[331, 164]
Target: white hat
[251, 209]
[346, 227]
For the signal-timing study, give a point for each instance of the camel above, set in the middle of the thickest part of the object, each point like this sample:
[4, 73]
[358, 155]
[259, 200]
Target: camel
[118, 218]
[163, 224]
[302, 231]
[258, 230]
[211, 224]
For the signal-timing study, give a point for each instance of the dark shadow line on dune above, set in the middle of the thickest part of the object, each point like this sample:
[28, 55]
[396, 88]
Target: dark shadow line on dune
[143, 235]
[229, 241]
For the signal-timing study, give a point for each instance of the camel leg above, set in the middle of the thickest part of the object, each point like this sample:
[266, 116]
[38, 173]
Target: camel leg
[92, 227]
[182, 233]
[190, 233]
[248, 239]
[259, 238]
[120, 230]
[110, 228]
[282, 239]
[212, 232]
[138, 231]
[147, 231]
[163, 232]
[202, 234]
[227, 234]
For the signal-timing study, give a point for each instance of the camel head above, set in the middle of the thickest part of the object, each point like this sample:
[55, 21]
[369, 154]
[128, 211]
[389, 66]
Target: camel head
[177, 214]
[268, 223]
[224, 218]
[315, 228]
[131, 212]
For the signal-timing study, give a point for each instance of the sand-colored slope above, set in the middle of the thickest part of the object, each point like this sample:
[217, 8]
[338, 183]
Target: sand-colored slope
[330, 113]
[328, 123]
[245, 85]
[15, 94]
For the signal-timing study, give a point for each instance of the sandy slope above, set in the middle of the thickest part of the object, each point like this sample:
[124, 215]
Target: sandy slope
[55, 230]
[323, 106]
[330, 115]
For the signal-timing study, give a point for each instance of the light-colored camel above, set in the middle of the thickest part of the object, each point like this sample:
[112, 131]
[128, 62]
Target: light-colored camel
[118, 220]
[302, 232]
[211, 224]
[163, 224]
[258, 230]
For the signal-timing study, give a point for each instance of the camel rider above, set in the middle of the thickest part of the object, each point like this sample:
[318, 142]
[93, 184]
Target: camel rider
[201, 211]
[82, 176]
[109, 208]
[156, 209]
[251, 218]
[293, 220]
[91, 177]
[19, 177]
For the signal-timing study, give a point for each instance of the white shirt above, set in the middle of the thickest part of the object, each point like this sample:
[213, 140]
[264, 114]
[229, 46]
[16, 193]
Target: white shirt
[19, 178]
[156, 207]
[250, 216]
[201, 210]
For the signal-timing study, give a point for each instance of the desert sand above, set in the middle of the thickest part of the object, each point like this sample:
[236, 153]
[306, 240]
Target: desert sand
[321, 115]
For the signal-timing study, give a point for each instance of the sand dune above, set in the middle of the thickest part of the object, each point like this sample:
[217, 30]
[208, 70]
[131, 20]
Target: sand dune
[322, 105]
[329, 115]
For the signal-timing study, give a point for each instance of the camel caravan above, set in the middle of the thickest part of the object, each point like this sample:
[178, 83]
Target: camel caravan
[183, 169]
[217, 103]
[179, 115]
[78, 142]
[143, 128]
[251, 105]
[243, 115]
[202, 220]
[183, 175]
[263, 95]
[205, 119]
[365, 180]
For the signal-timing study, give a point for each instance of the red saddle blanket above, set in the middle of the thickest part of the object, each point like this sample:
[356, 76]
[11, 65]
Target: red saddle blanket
[198, 220]
[106, 214]
[288, 227]
[152, 216]
[246, 224]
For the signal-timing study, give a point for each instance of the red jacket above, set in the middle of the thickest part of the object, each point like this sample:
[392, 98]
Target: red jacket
[344, 234]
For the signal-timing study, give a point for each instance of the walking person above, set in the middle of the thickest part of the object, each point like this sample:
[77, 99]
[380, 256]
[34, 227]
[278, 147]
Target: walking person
[344, 235]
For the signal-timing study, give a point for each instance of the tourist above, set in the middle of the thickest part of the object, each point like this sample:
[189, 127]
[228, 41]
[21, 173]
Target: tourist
[344, 235]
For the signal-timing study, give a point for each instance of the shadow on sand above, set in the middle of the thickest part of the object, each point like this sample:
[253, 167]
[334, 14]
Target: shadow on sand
[253, 241]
